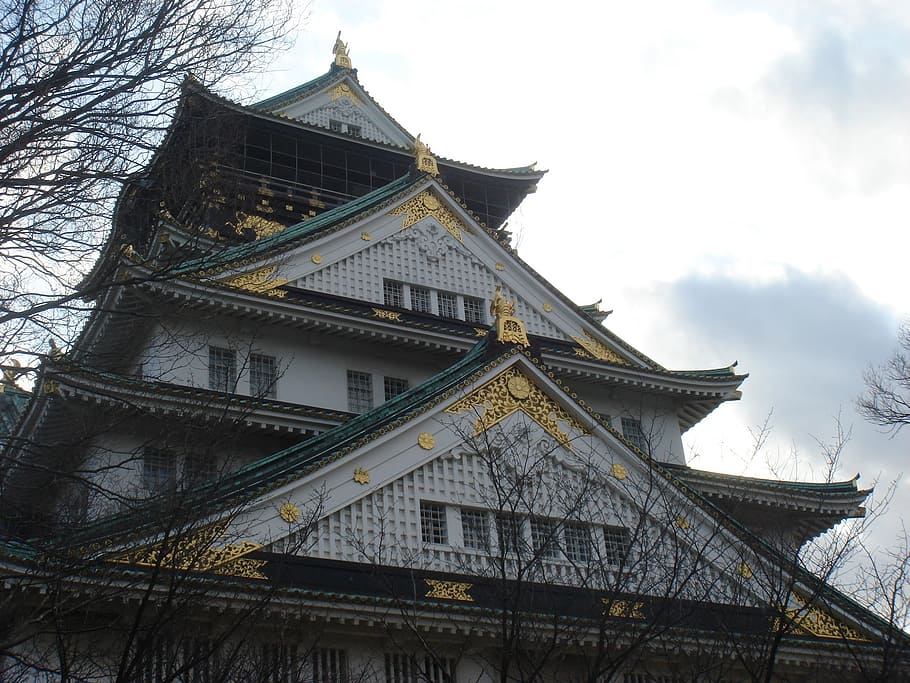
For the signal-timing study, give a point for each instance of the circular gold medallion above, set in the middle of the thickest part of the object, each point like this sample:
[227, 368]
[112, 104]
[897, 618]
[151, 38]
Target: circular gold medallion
[547, 308]
[519, 387]
[745, 570]
[289, 512]
[619, 471]
[430, 202]
[316, 258]
[426, 441]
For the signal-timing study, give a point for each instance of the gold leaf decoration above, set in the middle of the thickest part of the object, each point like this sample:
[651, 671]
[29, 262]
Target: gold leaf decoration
[289, 512]
[598, 350]
[498, 399]
[258, 282]
[387, 315]
[197, 552]
[618, 471]
[345, 90]
[361, 476]
[449, 590]
[427, 204]
[811, 620]
[624, 609]
[261, 227]
[426, 441]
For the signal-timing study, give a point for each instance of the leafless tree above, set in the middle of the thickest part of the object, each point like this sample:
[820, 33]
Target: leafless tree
[887, 398]
[87, 91]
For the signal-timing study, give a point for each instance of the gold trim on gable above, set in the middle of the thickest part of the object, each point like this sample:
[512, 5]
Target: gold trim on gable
[598, 350]
[509, 392]
[428, 204]
[258, 281]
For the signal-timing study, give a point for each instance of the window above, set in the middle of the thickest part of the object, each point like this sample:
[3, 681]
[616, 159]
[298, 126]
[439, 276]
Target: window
[353, 130]
[394, 386]
[401, 668]
[543, 537]
[616, 540]
[448, 305]
[335, 125]
[159, 470]
[263, 376]
[473, 310]
[578, 542]
[508, 528]
[393, 293]
[433, 522]
[475, 529]
[199, 468]
[328, 666]
[222, 369]
[420, 299]
[360, 391]
[631, 429]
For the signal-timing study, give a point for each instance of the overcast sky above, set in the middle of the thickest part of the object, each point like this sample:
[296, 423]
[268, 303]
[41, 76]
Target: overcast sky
[732, 178]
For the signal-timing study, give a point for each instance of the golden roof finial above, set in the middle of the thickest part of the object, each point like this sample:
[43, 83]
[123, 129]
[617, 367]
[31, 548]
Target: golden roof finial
[9, 374]
[340, 50]
[509, 329]
[425, 159]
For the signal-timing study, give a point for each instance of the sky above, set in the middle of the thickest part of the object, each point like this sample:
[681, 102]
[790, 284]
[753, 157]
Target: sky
[732, 179]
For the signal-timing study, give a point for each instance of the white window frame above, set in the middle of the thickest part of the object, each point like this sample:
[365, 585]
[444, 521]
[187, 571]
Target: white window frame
[360, 391]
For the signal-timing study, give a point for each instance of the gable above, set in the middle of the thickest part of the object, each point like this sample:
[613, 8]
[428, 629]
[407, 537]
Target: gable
[426, 239]
[342, 106]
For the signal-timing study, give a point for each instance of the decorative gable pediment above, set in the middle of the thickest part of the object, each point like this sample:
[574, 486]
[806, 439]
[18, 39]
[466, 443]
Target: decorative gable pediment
[344, 107]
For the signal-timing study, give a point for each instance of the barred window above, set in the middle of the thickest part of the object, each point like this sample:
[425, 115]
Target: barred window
[509, 532]
[448, 304]
[222, 369]
[473, 310]
[578, 542]
[631, 429]
[394, 386]
[393, 293]
[543, 537]
[420, 299]
[360, 391]
[433, 522]
[475, 529]
[335, 125]
[401, 668]
[159, 469]
[263, 376]
[199, 468]
[328, 666]
[616, 541]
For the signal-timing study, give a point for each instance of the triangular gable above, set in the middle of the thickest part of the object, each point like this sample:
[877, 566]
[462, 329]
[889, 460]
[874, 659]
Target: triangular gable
[339, 104]
[426, 238]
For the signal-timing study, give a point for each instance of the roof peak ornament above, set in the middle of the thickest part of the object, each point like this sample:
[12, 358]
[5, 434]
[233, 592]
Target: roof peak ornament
[509, 329]
[425, 159]
[340, 50]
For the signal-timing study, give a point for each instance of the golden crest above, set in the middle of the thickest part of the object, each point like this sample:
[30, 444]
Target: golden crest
[449, 590]
[361, 476]
[426, 441]
[289, 512]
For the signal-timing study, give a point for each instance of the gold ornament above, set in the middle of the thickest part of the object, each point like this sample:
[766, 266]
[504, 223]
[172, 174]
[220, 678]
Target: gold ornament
[624, 609]
[426, 441]
[744, 570]
[427, 204]
[345, 90]
[361, 476]
[682, 522]
[547, 308]
[494, 401]
[815, 621]
[365, 236]
[289, 512]
[387, 315]
[619, 471]
[340, 50]
[425, 160]
[500, 266]
[316, 258]
[598, 350]
[258, 282]
[449, 590]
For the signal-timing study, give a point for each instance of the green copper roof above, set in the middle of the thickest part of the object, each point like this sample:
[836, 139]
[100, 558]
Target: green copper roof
[302, 90]
[12, 402]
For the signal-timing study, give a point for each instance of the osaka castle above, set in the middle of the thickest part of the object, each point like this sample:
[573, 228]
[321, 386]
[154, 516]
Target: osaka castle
[324, 424]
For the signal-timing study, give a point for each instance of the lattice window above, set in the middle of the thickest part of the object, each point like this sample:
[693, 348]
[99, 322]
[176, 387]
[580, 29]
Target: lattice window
[199, 468]
[448, 304]
[616, 542]
[328, 666]
[335, 125]
[159, 470]
[475, 528]
[473, 310]
[543, 537]
[631, 429]
[401, 668]
[263, 376]
[394, 386]
[577, 542]
[222, 369]
[433, 522]
[360, 391]
[420, 299]
[393, 293]
[509, 530]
